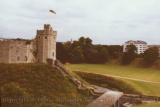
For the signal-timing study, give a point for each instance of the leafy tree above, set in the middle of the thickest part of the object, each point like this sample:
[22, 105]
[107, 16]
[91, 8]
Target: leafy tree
[115, 51]
[103, 54]
[76, 53]
[83, 51]
[151, 55]
[129, 55]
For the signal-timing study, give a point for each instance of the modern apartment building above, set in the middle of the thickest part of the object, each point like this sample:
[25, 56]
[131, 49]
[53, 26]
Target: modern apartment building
[141, 46]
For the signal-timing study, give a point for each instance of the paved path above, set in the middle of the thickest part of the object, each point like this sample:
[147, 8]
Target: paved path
[108, 99]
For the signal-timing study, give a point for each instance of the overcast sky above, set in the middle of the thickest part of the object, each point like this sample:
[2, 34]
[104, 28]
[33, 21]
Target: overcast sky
[104, 21]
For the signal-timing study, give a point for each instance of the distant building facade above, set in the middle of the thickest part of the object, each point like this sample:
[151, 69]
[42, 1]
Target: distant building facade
[40, 49]
[140, 45]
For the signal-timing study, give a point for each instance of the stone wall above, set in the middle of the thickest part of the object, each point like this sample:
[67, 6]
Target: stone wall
[16, 51]
[46, 44]
[4, 51]
[20, 51]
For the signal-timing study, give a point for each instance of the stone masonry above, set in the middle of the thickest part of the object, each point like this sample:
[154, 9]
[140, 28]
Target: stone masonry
[37, 50]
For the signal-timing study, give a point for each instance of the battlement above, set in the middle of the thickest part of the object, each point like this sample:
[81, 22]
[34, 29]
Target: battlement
[47, 26]
[46, 30]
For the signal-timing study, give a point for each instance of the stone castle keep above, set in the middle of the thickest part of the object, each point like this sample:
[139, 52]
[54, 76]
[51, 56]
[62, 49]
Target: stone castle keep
[38, 50]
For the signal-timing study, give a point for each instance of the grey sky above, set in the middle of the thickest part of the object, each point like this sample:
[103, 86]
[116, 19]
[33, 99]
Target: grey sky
[104, 21]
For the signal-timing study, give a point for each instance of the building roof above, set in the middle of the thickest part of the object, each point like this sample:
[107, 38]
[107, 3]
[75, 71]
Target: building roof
[136, 42]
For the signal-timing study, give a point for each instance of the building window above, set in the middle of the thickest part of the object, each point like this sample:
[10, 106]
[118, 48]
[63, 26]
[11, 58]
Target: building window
[46, 37]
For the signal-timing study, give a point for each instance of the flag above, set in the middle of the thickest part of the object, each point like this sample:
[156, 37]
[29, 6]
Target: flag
[52, 11]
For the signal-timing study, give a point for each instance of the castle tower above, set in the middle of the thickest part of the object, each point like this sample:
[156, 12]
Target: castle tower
[46, 44]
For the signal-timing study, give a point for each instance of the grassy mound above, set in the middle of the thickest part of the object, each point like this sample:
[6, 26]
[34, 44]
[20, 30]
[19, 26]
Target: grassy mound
[108, 82]
[38, 85]
[148, 105]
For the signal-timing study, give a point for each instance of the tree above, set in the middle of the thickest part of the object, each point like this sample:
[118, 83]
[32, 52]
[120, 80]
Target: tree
[62, 51]
[129, 55]
[76, 53]
[102, 54]
[115, 51]
[151, 55]
[83, 51]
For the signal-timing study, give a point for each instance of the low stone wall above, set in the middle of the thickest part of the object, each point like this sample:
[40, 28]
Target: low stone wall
[137, 99]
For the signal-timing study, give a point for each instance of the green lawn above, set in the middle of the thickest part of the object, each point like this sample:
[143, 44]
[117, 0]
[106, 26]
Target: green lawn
[147, 74]
[145, 88]
[148, 105]
[118, 70]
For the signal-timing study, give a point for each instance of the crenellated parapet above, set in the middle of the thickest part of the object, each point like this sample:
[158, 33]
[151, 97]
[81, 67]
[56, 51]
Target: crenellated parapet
[46, 31]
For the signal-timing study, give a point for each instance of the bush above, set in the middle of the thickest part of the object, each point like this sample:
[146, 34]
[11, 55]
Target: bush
[151, 55]
[138, 62]
[157, 64]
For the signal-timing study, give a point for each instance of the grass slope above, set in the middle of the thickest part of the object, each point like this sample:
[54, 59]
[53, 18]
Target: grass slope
[148, 105]
[108, 82]
[118, 70]
[39, 81]
[125, 71]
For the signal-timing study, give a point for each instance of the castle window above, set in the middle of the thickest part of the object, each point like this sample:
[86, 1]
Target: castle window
[18, 58]
[53, 53]
[26, 58]
[46, 37]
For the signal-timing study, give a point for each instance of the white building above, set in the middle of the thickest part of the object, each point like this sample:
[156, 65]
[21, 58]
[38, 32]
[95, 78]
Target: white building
[141, 46]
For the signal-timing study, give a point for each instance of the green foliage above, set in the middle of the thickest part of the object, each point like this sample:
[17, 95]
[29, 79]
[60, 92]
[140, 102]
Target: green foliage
[156, 64]
[102, 54]
[115, 51]
[129, 55]
[151, 55]
[83, 51]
